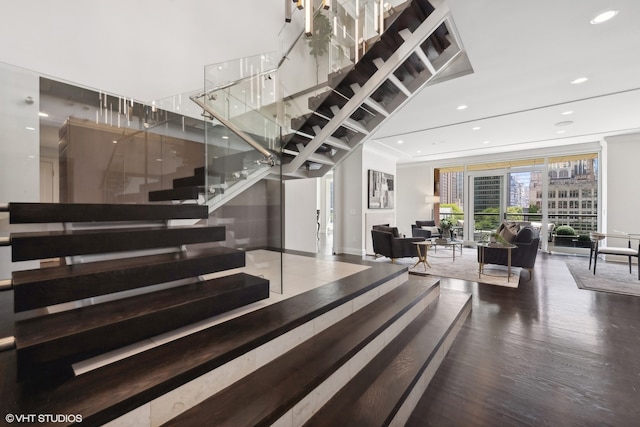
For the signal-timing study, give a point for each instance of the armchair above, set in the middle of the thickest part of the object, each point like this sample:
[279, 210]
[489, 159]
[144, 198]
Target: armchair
[430, 230]
[526, 240]
[387, 242]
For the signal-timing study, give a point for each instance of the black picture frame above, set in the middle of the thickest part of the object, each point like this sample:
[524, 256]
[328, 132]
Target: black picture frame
[381, 190]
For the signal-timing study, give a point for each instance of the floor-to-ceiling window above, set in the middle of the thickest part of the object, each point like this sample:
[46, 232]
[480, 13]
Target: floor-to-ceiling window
[551, 194]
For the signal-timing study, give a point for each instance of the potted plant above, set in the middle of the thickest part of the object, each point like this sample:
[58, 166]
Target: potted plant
[445, 228]
[564, 236]
[582, 241]
[320, 40]
[496, 238]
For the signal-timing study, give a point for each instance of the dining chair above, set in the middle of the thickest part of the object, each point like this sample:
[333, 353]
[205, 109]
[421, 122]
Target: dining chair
[597, 249]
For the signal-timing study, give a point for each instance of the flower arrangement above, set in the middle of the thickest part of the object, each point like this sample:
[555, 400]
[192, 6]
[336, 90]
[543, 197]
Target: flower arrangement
[446, 224]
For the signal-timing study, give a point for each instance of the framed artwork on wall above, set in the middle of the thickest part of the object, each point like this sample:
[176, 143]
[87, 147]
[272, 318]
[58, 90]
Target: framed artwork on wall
[381, 187]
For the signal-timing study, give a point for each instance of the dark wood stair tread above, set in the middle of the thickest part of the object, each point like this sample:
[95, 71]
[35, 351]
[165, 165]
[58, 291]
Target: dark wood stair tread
[375, 394]
[55, 285]
[265, 395]
[106, 393]
[180, 193]
[52, 244]
[67, 337]
[189, 181]
[24, 213]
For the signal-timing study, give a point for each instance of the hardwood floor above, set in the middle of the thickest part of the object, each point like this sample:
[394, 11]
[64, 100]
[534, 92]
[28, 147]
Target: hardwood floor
[545, 354]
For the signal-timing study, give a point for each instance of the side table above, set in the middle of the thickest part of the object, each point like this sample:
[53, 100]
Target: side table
[422, 256]
[484, 246]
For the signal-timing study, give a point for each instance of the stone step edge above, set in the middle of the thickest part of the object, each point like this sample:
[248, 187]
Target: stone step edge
[412, 399]
[221, 377]
[311, 403]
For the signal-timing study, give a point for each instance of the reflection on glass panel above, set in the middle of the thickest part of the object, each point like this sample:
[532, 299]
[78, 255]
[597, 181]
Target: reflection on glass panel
[573, 198]
[487, 196]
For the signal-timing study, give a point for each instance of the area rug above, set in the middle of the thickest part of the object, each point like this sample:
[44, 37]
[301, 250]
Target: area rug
[465, 267]
[610, 277]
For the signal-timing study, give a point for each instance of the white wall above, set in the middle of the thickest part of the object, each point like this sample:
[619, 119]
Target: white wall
[621, 184]
[19, 149]
[415, 182]
[349, 197]
[146, 49]
[352, 233]
[382, 162]
[300, 201]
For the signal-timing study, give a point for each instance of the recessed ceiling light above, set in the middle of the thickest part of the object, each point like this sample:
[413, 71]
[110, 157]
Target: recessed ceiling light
[566, 113]
[579, 80]
[31, 157]
[604, 16]
[400, 141]
[475, 128]
[225, 137]
[114, 141]
[561, 131]
[419, 151]
[565, 123]
[41, 114]
[30, 128]
[485, 142]
[158, 160]
[462, 107]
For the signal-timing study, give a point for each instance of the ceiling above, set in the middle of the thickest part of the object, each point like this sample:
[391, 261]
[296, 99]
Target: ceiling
[524, 56]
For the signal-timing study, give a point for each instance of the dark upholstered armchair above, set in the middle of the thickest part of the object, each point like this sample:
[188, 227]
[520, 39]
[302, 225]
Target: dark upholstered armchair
[527, 241]
[387, 242]
[418, 231]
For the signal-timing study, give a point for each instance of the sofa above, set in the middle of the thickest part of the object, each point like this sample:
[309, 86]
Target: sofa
[524, 255]
[388, 242]
[425, 229]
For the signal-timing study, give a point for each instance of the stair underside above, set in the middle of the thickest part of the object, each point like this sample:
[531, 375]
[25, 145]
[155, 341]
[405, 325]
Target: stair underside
[414, 49]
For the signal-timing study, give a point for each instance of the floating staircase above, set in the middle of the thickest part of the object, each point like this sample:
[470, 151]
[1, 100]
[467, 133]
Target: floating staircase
[417, 47]
[125, 278]
[227, 177]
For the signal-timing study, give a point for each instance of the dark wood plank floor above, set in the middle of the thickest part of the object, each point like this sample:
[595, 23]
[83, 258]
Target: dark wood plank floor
[545, 354]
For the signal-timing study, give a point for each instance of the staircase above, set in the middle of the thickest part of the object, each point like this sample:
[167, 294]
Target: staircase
[416, 47]
[419, 46]
[305, 359]
[125, 276]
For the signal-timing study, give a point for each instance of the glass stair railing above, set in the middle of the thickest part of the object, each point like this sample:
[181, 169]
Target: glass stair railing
[242, 139]
[314, 104]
